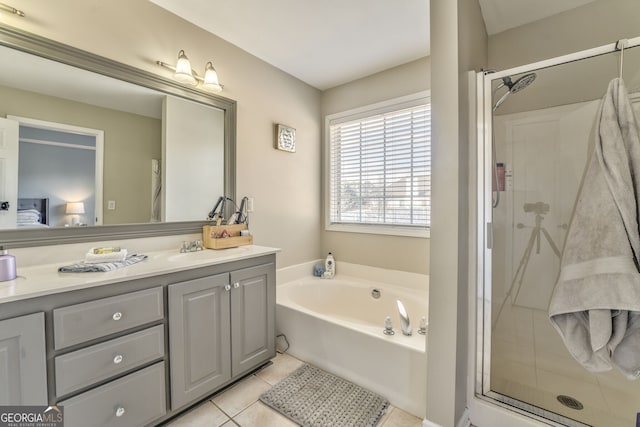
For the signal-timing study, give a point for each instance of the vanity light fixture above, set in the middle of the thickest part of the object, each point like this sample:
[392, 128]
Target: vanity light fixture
[185, 74]
[11, 9]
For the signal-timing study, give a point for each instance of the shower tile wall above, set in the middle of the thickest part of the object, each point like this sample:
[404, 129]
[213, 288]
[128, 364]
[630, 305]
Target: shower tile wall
[547, 151]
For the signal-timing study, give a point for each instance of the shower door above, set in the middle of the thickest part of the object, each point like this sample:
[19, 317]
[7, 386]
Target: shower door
[542, 135]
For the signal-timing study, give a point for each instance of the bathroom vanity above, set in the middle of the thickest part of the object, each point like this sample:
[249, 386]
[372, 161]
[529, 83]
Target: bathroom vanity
[138, 345]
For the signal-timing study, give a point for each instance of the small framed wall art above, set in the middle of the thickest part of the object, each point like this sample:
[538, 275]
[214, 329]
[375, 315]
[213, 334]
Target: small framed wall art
[285, 138]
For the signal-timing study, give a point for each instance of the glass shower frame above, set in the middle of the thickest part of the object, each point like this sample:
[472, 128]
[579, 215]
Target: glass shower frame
[484, 231]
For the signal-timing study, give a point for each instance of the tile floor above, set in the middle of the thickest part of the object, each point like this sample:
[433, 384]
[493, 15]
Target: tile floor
[239, 405]
[531, 363]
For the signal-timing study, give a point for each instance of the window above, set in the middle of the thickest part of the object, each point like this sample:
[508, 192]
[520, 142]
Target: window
[379, 160]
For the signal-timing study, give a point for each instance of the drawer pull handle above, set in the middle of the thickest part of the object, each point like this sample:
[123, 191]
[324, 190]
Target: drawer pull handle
[120, 411]
[236, 285]
[117, 315]
[227, 287]
[117, 359]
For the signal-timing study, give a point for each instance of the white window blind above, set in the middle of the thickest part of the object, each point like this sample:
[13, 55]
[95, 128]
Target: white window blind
[380, 166]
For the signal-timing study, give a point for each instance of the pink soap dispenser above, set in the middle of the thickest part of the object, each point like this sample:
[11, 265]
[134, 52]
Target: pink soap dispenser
[7, 265]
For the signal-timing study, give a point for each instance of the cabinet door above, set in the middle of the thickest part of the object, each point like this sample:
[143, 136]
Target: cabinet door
[253, 302]
[199, 334]
[23, 371]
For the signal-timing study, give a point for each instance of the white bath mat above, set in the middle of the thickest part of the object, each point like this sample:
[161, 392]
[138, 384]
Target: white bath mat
[312, 397]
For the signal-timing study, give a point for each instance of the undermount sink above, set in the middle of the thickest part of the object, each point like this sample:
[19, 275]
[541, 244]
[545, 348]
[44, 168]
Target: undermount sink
[184, 256]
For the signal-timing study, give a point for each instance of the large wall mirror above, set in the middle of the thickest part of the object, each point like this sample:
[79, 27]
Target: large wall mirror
[95, 149]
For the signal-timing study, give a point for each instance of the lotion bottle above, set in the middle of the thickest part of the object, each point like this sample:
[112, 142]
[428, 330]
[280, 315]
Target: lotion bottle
[329, 267]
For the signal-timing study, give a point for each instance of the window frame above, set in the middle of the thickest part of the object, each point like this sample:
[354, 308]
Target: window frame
[353, 114]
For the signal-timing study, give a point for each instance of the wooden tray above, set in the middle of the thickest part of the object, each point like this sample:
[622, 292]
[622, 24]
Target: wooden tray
[211, 242]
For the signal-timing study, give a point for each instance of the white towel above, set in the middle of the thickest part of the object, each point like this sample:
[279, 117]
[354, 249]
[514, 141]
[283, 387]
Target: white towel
[596, 302]
[92, 258]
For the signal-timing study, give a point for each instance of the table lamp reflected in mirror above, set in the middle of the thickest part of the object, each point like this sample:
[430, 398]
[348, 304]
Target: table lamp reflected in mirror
[75, 209]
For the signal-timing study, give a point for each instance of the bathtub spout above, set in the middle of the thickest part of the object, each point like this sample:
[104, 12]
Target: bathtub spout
[404, 318]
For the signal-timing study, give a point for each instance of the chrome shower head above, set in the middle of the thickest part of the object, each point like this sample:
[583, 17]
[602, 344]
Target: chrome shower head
[514, 87]
[522, 82]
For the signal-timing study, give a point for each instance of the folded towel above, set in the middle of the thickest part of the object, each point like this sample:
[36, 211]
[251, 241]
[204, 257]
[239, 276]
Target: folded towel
[596, 302]
[29, 216]
[91, 258]
[82, 267]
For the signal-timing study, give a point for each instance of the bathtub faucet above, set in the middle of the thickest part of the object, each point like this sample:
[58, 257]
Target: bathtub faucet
[404, 318]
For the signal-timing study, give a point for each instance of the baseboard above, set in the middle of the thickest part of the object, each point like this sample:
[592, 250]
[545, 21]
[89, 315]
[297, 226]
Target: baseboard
[464, 421]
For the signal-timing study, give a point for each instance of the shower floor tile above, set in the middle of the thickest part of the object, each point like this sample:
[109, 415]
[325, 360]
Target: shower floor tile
[538, 368]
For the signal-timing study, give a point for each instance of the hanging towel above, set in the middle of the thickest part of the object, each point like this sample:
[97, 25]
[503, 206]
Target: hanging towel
[595, 305]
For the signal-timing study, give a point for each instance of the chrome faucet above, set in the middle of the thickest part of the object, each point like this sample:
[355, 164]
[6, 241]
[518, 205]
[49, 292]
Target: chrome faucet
[193, 246]
[404, 318]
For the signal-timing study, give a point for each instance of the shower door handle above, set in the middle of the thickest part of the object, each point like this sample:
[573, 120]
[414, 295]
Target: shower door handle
[489, 235]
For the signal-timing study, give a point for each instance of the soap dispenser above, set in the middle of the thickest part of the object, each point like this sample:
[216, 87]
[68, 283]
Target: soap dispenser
[329, 267]
[7, 265]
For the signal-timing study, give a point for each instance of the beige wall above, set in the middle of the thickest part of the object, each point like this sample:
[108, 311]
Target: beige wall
[398, 253]
[130, 142]
[286, 187]
[458, 43]
[594, 24]
[472, 56]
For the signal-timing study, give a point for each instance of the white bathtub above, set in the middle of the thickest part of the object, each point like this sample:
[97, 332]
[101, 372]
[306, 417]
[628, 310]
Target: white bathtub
[337, 325]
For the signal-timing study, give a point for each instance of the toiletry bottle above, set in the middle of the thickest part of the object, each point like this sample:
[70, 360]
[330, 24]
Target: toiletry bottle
[329, 267]
[500, 175]
[7, 265]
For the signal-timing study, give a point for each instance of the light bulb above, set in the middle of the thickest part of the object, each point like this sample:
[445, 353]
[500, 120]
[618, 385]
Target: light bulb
[184, 74]
[211, 82]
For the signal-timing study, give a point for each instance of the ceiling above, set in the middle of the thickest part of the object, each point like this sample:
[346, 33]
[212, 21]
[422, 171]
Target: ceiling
[317, 45]
[323, 43]
[330, 42]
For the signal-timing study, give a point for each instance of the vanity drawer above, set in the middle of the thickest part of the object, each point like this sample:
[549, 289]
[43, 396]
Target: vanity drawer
[92, 364]
[83, 322]
[134, 400]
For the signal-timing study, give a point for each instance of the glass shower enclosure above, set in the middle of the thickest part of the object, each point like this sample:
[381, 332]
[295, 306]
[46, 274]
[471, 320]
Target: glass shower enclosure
[535, 135]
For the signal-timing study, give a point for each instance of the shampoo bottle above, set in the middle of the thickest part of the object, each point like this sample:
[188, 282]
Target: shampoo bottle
[329, 267]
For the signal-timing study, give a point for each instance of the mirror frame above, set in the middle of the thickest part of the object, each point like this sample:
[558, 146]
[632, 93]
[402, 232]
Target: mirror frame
[33, 44]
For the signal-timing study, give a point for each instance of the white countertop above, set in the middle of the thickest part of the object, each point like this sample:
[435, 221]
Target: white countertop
[45, 279]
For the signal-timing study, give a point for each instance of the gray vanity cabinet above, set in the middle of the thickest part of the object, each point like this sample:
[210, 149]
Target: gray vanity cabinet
[199, 333]
[23, 373]
[252, 317]
[137, 352]
[220, 327]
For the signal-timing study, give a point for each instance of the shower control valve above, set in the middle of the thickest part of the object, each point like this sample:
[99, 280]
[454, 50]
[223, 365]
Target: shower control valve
[388, 326]
[423, 326]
